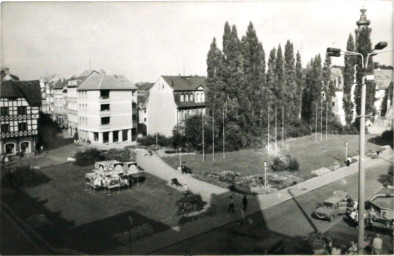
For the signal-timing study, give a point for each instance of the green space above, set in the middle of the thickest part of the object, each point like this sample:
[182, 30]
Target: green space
[310, 154]
[55, 202]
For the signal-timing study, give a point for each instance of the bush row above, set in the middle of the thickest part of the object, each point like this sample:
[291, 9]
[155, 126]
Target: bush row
[92, 155]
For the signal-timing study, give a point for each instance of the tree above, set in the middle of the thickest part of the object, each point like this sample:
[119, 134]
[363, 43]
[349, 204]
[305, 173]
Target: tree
[348, 82]
[290, 91]
[300, 87]
[279, 78]
[364, 46]
[254, 73]
[329, 90]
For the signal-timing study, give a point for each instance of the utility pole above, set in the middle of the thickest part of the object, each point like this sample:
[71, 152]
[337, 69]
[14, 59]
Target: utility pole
[321, 119]
[316, 123]
[156, 141]
[276, 135]
[268, 133]
[213, 135]
[265, 174]
[203, 138]
[283, 133]
[224, 148]
[326, 117]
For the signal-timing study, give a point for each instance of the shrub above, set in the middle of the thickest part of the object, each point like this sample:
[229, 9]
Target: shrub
[136, 233]
[22, 176]
[151, 140]
[190, 203]
[88, 157]
[122, 155]
[387, 136]
[285, 163]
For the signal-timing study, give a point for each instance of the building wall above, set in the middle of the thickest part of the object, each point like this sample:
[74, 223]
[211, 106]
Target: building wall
[14, 135]
[120, 114]
[72, 110]
[161, 109]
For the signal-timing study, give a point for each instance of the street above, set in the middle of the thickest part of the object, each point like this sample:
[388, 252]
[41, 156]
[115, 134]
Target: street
[289, 221]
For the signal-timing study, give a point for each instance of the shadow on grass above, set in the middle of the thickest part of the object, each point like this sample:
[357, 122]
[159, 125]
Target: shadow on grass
[387, 179]
[382, 140]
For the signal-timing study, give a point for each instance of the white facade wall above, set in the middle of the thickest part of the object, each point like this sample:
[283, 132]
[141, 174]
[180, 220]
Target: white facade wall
[161, 109]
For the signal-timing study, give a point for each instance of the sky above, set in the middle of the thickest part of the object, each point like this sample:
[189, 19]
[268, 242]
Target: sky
[144, 40]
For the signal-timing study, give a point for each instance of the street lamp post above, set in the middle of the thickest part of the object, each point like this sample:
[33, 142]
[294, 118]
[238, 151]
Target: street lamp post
[265, 174]
[334, 52]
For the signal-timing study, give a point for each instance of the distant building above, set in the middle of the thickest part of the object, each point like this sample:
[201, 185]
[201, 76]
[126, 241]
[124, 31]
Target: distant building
[171, 100]
[72, 101]
[383, 78]
[337, 101]
[107, 109]
[60, 102]
[143, 95]
[20, 102]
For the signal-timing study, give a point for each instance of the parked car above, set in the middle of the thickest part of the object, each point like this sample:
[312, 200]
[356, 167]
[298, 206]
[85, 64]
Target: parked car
[332, 207]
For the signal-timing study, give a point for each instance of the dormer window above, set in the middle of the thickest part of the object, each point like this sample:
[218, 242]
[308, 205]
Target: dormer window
[191, 97]
[182, 98]
[202, 97]
[186, 97]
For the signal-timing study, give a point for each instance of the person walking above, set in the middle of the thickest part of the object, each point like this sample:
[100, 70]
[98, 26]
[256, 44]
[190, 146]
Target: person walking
[231, 204]
[183, 167]
[377, 245]
[244, 203]
[348, 161]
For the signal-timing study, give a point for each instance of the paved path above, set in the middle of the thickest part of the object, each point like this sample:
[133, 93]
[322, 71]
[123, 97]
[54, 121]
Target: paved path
[154, 165]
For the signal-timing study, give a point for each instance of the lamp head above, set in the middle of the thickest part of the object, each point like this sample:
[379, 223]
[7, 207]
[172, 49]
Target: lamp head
[380, 45]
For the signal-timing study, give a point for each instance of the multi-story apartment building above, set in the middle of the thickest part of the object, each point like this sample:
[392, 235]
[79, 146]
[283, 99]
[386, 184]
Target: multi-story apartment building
[60, 102]
[107, 109]
[72, 101]
[20, 102]
[171, 100]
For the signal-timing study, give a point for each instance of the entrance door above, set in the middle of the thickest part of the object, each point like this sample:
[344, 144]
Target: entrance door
[124, 135]
[25, 147]
[10, 148]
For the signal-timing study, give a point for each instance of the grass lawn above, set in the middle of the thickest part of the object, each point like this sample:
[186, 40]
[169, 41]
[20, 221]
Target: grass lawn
[86, 221]
[311, 155]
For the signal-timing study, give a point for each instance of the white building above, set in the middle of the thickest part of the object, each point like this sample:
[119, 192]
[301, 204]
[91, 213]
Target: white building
[171, 100]
[107, 109]
[60, 102]
[383, 78]
[337, 101]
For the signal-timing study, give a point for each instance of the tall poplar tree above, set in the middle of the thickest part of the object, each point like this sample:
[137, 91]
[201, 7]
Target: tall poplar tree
[290, 90]
[328, 87]
[348, 81]
[300, 81]
[280, 78]
[364, 46]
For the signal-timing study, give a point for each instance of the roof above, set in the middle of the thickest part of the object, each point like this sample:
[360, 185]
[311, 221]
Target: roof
[185, 83]
[101, 81]
[30, 90]
[383, 77]
[60, 84]
[144, 86]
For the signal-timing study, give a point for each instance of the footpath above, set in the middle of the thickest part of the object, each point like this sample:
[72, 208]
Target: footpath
[156, 166]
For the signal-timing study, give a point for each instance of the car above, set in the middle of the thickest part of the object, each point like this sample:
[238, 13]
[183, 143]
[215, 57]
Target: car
[332, 207]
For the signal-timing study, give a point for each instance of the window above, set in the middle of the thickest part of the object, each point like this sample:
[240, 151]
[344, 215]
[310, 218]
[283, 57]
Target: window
[104, 94]
[22, 127]
[186, 97]
[95, 136]
[104, 107]
[202, 97]
[182, 98]
[105, 120]
[5, 128]
[145, 119]
[191, 97]
[333, 104]
[4, 111]
[134, 117]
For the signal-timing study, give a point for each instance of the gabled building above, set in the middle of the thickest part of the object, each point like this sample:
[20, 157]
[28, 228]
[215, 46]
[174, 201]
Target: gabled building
[72, 101]
[20, 102]
[107, 109]
[143, 95]
[171, 100]
[60, 102]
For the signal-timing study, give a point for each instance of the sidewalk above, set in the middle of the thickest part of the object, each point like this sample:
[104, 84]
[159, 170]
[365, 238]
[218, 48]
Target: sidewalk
[191, 229]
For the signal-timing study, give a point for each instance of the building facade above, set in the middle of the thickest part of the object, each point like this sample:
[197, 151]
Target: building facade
[60, 103]
[19, 106]
[171, 100]
[107, 109]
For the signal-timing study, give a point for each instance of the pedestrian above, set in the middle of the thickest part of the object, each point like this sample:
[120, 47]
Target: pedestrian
[377, 245]
[244, 203]
[355, 205]
[183, 167]
[372, 215]
[348, 161]
[231, 205]
[42, 149]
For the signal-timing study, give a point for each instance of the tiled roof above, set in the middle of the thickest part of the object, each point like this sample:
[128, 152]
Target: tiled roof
[185, 83]
[60, 84]
[101, 81]
[383, 77]
[30, 90]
